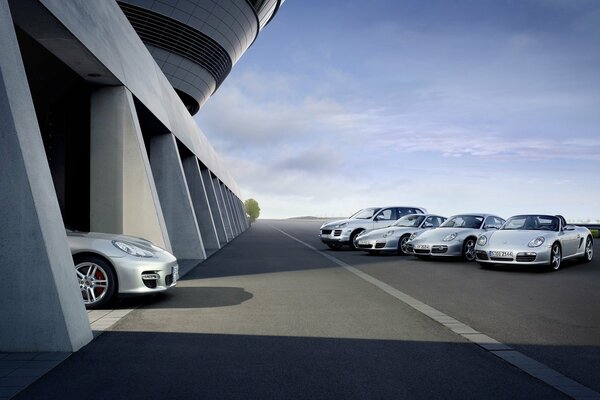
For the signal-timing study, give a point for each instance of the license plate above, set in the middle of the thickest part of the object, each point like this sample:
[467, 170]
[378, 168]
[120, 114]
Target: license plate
[175, 273]
[422, 247]
[501, 254]
[362, 242]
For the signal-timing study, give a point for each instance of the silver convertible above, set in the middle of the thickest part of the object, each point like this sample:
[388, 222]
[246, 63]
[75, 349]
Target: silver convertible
[108, 265]
[394, 237]
[535, 240]
[454, 238]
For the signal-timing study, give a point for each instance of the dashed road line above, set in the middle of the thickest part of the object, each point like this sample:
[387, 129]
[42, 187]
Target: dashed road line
[526, 364]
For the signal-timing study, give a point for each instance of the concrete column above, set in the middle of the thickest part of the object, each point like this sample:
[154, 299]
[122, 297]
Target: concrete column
[172, 188]
[201, 204]
[123, 196]
[221, 199]
[234, 215]
[41, 308]
[214, 206]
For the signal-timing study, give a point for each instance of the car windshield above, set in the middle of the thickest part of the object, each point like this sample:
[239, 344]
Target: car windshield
[464, 221]
[413, 220]
[531, 223]
[365, 213]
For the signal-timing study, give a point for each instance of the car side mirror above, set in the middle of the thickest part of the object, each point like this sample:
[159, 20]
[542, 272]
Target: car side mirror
[427, 225]
[490, 227]
[569, 228]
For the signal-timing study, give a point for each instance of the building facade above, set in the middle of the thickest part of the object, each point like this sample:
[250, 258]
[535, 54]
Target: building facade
[96, 105]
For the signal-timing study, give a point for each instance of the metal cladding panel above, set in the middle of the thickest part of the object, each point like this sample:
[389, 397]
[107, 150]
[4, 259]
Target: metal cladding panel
[103, 29]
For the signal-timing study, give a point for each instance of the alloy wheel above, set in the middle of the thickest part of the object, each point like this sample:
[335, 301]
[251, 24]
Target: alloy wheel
[93, 282]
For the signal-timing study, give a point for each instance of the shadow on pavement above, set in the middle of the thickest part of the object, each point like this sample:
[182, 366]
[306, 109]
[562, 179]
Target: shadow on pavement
[198, 297]
[144, 365]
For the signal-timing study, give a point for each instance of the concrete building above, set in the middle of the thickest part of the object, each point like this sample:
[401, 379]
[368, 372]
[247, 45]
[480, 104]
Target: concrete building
[96, 105]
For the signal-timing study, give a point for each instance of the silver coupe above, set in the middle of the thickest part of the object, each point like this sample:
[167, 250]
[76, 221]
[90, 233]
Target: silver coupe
[108, 265]
[454, 238]
[394, 237]
[535, 240]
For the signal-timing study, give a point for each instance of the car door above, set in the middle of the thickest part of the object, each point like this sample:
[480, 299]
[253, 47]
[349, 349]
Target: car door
[384, 218]
[569, 238]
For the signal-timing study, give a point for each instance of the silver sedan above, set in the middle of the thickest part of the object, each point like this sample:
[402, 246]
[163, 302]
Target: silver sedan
[108, 265]
[393, 238]
[535, 240]
[454, 238]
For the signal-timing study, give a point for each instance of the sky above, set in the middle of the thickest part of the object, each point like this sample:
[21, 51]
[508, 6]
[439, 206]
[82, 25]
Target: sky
[453, 105]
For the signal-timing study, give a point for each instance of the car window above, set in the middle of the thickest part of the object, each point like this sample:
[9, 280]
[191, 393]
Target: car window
[494, 222]
[386, 214]
[532, 223]
[463, 221]
[433, 221]
[409, 221]
[366, 213]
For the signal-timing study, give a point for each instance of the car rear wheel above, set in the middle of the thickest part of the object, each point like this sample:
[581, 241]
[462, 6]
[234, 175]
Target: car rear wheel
[588, 252]
[469, 249]
[555, 257]
[97, 280]
[402, 247]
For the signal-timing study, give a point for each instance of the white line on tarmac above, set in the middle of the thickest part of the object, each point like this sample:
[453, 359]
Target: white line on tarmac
[526, 364]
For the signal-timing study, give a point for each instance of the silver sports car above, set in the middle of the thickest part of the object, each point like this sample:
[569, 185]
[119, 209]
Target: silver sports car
[394, 237]
[454, 238]
[535, 240]
[108, 265]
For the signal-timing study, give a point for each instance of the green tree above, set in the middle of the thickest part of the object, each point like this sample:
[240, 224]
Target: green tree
[252, 209]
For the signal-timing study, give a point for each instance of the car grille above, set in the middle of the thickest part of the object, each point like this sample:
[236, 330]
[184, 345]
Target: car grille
[379, 245]
[481, 255]
[169, 280]
[365, 246]
[439, 249]
[326, 232]
[526, 257]
[421, 251]
[337, 232]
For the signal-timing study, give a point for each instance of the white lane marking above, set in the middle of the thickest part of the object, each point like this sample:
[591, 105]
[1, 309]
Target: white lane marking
[526, 364]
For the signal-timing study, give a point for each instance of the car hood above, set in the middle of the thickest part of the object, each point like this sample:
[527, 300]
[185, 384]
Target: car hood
[438, 234]
[376, 233]
[333, 224]
[520, 237]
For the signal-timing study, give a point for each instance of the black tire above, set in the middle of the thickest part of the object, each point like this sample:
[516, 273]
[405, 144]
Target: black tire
[334, 246]
[352, 237]
[402, 245]
[588, 253]
[468, 252]
[97, 280]
[555, 257]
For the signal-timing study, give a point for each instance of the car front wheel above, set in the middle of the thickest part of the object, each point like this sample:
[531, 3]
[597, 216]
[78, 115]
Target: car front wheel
[469, 249]
[402, 247]
[97, 280]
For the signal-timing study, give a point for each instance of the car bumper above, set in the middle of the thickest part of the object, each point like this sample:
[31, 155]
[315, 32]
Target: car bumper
[519, 256]
[147, 275]
[339, 236]
[451, 249]
[377, 245]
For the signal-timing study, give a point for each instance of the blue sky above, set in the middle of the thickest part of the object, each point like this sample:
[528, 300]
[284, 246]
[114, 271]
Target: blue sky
[456, 106]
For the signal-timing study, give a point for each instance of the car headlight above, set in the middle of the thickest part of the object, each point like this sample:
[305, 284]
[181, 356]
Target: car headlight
[341, 225]
[537, 242]
[388, 233]
[482, 240]
[132, 249]
[450, 237]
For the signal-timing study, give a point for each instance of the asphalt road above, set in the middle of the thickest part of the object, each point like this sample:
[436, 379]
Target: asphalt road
[270, 318]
